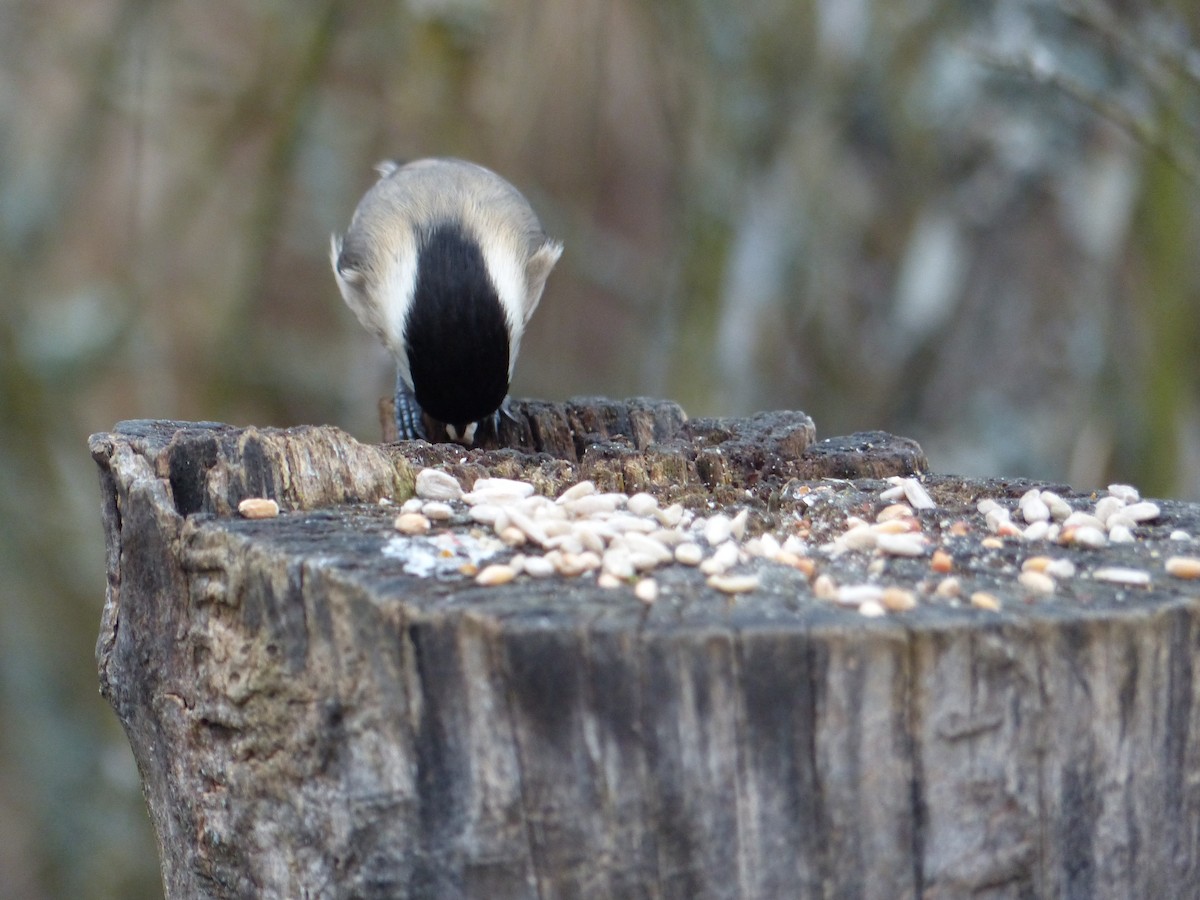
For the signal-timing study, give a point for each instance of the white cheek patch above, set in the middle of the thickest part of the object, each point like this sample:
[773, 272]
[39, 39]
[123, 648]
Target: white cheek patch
[508, 277]
[396, 291]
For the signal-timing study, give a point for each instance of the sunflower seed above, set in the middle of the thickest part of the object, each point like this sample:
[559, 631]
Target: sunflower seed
[434, 484]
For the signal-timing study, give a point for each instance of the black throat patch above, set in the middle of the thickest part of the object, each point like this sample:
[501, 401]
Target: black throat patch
[456, 333]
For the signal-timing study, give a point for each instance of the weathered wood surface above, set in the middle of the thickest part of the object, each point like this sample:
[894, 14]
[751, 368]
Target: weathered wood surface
[311, 721]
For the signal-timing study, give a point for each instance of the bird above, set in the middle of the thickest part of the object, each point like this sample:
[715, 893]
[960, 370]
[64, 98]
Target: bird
[445, 262]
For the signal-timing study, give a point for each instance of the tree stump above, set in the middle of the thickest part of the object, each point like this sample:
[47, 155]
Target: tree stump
[312, 720]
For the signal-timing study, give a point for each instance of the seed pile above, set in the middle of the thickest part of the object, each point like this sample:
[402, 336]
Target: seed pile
[623, 540]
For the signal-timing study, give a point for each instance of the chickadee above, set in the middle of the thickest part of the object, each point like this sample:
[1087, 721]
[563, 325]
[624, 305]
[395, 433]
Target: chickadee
[445, 262]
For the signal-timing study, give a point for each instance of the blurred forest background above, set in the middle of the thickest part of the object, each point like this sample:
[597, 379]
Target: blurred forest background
[974, 224]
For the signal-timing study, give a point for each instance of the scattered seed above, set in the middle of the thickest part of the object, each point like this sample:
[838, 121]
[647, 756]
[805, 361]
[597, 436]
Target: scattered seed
[717, 529]
[1120, 534]
[496, 574]
[1059, 508]
[960, 528]
[618, 562]
[608, 581]
[984, 600]
[1126, 492]
[1183, 567]
[991, 543]
[642, 504]
[258, 508]
[1107, 507]
[512, 536]
[437, 510]
[724, 558]
[733, 584]
[901, 544]
[872, 609]
[1037, 531]
[412, 523]
[1035, 583]
[1036, 564]
[1122, 575]
[1061, 568]
[1180, 535]
[485, 513]
[434, 484]
[949, 588]
[1084, 535]
[824, 587]
[538, 567]
[1081, 519]
[895, 511]
[689, 554]
[896, 526]
[857, 594]
[576, 491]
[800, 563]
[738, 525]
[412, 505]
[1145, 511]
[917, 496]
[898, 599]
[646, 590]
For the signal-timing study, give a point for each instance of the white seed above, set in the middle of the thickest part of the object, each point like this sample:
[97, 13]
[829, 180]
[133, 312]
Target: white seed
[496, 574]
[258, 508]
[717, 529]
[860, 537]
[1122, 575]
[642, 504]
[646, 590]
[689, 554]
[624, 522]
[437, 510]
[434, 484]
[895, 526]
[1059, 508]
[575, 491]
[1107, 507]
[1036, 582]
[1119, 520]
[575, 564]
[502, 487]
[640, 543]
[996, 517]
[589, 539]
[895, 492]
[1120, 534]
[1145, 511]
[590, 505]
[533, 530]
[793, 543]
[669, 517]
[412, 505]
[608, 581]
[898, 599]
[1035, 511]
[412, 523]
[485, 513]
[895, 511]
[1180, 535]
[1079, 519]
[538, 567]
[857, 594]
[901, 544]
[1183, 567]
[949, 587]
[984, 600]
[917, 496]
[986, 505]
[724, 558]
[824, 587]
[737, 525]
[617, 562]
[1037, 531]
[1060, 568]
[1126, 492]
[512, 536]
[1085, 536]
[733, 584]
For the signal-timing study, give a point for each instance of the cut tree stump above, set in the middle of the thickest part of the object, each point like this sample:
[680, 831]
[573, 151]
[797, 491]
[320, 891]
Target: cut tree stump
[311, 719]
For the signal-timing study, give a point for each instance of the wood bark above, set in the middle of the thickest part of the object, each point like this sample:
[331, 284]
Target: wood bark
[311, 721]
